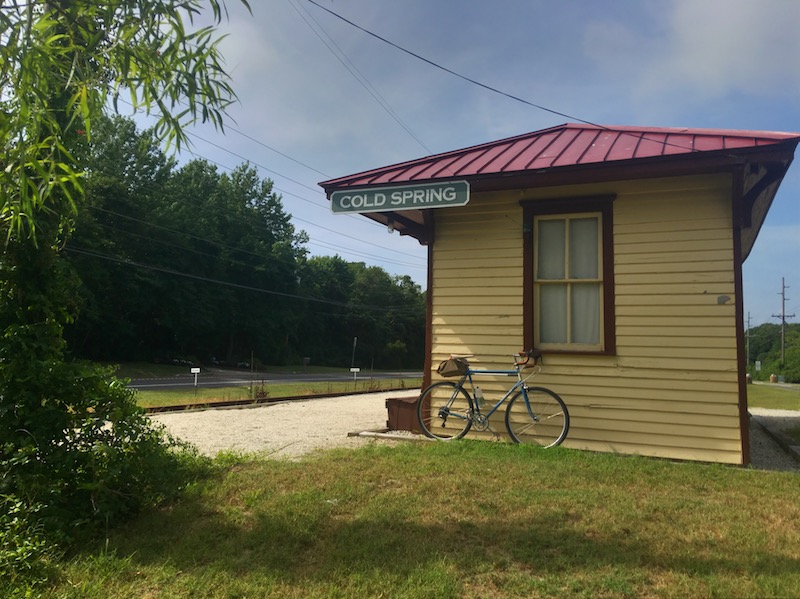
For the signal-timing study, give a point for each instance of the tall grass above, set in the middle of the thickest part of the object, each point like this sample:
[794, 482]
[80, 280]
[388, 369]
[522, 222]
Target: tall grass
[462, 519]
[773, 397]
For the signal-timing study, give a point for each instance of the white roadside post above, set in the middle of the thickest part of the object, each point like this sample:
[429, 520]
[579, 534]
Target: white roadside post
[195, 372]
[355, 372]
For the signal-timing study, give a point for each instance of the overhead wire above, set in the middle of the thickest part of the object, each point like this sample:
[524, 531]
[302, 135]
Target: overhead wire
[172, 245]
[249, 161]
[119, 260]
[284, 191]
[225, 246]
[261, 166]
[447, 70]
[484, 85]
[324, 245]
[344, 249]
[196, 237]
[236, 249]
[342, 57]
[191, 250]
[261, 143]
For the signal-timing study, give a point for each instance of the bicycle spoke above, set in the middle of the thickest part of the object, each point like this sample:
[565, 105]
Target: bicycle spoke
[443, 411]
[542, 420]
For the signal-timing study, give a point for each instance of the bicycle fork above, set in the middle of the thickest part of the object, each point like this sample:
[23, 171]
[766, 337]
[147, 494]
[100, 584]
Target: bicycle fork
[528, 407]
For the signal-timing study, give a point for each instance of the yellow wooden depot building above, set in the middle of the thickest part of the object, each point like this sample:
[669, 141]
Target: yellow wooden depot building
[617, 252]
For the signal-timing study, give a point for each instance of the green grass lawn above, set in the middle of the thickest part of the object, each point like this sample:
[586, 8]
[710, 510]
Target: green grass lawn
[461, 519]
[152, 399]
[773, 397]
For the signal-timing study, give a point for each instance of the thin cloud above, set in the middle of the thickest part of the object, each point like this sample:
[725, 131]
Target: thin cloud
[717, 48]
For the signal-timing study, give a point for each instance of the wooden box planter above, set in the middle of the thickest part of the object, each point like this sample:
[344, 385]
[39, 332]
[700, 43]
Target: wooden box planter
[402, 414]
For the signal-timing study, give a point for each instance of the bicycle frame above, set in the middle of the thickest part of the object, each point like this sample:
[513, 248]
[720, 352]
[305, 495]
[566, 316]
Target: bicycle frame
[520, 384]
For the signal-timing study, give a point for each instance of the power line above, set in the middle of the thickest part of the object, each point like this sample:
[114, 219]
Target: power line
[234, 285]
[191, 236]
[173, 245]
[284, 191]
[261, 166]
[313, 189]
[261, 143]
[297, 218]
[330, 246]
[187, 249]
[313, 203]
[351, 237]
[323, 244]
[358, 75]
[484, 85]
[229, 247]
[452, 72]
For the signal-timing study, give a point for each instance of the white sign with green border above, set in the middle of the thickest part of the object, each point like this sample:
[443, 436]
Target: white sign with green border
[397, 198]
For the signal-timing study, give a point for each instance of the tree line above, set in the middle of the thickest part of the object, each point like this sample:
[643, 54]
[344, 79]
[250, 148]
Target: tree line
[189, 263]
[765, 347]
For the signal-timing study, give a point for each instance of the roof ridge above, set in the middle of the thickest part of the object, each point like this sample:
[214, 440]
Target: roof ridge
[688, 130]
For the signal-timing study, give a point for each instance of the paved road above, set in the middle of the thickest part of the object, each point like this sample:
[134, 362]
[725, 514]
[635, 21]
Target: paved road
[212, 378]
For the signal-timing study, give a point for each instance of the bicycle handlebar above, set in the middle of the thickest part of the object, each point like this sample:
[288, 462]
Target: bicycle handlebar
[522, 358]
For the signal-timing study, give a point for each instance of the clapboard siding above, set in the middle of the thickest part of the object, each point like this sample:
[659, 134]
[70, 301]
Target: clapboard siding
[707, 325]
[457, 322]
[641, 230]
[681, 333]
[671, 390]
[680, 268]
[695, 290]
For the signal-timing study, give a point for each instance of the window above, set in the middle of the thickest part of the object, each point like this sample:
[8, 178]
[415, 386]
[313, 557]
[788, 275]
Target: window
[569, 276]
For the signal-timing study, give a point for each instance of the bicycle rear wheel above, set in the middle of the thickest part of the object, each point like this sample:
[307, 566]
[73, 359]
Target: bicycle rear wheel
[443, 411]
[541, 420]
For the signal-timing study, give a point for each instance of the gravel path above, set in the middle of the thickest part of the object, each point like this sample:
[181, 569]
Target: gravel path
[286, 430]
[296, 428]
[765, 452]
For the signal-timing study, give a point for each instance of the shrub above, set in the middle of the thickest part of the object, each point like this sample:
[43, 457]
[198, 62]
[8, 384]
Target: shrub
[88, 455]
[22, 547]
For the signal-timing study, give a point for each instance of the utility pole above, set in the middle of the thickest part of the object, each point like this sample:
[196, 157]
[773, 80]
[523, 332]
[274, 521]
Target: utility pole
[748, 340]
[783, 316]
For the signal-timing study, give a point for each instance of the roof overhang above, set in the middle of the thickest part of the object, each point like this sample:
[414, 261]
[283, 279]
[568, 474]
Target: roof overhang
[756, 171]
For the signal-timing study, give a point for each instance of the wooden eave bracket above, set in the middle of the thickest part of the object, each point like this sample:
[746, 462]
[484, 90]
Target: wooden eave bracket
[774, 172]
[421, 232]
[403, 224]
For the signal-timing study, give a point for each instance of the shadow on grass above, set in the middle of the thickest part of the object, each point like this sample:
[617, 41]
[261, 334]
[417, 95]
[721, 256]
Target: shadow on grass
[328, 546]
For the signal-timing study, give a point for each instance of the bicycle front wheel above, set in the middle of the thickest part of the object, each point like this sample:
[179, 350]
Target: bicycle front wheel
[443, 411]
[541, 419]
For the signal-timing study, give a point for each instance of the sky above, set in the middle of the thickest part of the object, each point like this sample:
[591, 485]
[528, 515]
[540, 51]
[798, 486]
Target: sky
[320, 98]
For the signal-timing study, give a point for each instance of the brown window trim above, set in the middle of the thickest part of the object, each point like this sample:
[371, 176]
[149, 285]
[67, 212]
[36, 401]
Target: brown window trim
[603, 204]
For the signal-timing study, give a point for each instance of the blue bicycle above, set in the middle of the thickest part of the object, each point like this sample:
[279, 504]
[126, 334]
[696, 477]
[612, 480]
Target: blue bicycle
[448, 410]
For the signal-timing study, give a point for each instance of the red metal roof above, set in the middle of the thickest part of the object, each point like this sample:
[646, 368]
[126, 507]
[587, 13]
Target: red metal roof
[567, 145]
